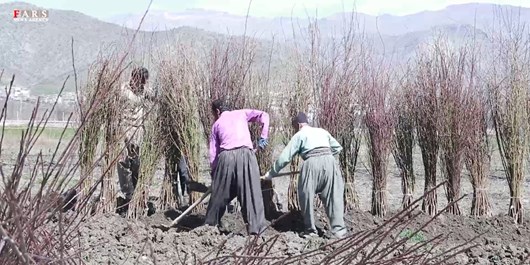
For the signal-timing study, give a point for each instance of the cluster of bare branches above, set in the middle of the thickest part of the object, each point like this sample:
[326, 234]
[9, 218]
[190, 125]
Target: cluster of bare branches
[379, 119]
[404, 139]
[227, 76]
[427, 105]
[326, 86]
[35, 226]
[386, 244]
[454, 71]
[179, 118]
[508, 86]
[478, 152]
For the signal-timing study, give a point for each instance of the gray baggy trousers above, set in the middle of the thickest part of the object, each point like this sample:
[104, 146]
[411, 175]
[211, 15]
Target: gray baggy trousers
[321, 175]
[237, 175]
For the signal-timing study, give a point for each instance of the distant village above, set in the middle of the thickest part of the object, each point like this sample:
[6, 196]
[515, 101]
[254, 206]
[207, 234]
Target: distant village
[22, 102]
[24, 94]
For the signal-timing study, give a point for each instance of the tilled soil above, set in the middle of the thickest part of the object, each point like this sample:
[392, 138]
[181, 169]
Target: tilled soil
[111, 239]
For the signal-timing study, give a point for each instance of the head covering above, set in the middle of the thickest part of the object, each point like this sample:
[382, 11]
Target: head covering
[300, 118]
[220, 104]
[140, 73]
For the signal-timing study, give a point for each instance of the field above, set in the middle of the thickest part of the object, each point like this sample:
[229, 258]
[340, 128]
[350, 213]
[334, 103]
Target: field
[435, 154]
[110, 238]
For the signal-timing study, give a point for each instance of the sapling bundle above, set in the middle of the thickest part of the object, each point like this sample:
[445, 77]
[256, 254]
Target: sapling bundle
[171, 77]
[379, 122]
[337, 114]
[112, 137]
[101, 122]
[478, 153]
[509, 85]
[226, 76]
[427, 114]
[90, 133]
[452, 68]
[149, 158]
[331, 77]
[403, 142]
[179, 81]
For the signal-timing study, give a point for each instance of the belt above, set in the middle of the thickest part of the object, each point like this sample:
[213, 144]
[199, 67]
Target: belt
[235, 148]
[320, 151]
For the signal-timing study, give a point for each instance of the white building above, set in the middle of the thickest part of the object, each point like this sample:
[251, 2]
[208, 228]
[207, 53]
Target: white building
[19, 93]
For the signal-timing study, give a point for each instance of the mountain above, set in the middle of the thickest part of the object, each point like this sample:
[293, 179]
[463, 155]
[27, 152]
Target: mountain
[481, 15]
[40, 53]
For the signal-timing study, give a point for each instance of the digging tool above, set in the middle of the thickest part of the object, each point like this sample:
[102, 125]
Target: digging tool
[206, 194]
[283, 174]
[197, 186]
[187, 211]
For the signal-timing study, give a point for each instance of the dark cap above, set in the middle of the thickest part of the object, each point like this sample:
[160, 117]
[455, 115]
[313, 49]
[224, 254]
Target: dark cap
[220, 104]
[300, 118]
[140, 72]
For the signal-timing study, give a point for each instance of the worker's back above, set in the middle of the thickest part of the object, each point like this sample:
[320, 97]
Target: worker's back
[232, 130]
[313, 137]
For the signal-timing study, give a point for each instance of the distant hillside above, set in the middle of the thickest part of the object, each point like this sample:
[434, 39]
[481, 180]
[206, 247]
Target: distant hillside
[481, 15]
[40, 53]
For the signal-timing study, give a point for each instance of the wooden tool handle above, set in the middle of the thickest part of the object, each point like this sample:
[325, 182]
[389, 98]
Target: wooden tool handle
[283, 174]
[182, 215]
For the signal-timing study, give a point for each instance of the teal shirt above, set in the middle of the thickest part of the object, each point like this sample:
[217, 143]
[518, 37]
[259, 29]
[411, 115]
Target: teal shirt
[305, 140]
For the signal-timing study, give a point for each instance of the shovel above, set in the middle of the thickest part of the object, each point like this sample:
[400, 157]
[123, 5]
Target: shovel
[206, 194]
[282, 174]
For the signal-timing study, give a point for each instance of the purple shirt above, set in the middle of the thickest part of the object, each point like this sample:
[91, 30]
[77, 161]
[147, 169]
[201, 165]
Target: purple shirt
[231, 131]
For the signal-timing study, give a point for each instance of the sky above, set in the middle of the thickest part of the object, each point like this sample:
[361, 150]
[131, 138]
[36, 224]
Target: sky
[103, 9]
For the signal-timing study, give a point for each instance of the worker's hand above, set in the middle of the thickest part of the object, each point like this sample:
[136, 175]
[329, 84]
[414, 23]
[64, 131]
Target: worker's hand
[267, 176]
[262, 143]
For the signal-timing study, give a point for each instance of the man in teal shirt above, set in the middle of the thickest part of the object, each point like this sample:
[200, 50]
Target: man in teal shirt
[320, 174]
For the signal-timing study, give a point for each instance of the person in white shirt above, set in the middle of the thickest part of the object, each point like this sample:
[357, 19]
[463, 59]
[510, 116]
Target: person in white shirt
[133, 100]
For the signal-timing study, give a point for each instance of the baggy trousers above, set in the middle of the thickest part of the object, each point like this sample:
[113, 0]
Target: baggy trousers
[321, 175]
[237, 175]
[183, 176]
[128, 170]
[129, 164]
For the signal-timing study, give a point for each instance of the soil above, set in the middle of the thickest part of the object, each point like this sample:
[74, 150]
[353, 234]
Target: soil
[112, 239]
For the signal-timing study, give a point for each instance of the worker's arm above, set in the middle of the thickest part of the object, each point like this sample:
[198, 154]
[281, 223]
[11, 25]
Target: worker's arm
[334, 145]
[151, 93]
[292, 149]
[261, 117]
[214, 148]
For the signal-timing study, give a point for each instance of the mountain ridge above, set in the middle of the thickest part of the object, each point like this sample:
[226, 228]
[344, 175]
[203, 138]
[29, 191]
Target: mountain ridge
[40, 53]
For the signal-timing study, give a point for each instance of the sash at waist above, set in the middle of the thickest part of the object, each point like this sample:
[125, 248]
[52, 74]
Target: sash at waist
[320, 151]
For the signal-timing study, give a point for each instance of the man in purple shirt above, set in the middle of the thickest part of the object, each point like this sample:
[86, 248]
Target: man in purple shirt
[235, 171]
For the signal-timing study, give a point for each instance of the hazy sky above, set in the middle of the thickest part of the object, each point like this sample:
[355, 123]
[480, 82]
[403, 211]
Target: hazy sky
[262, 8]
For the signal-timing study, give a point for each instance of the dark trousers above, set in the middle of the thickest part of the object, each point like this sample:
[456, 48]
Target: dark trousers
[237, 175]
[183, 175]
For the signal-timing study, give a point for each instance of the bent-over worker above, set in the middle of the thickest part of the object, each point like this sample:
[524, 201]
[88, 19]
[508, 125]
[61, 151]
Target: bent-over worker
[320, 173]
[235, 170]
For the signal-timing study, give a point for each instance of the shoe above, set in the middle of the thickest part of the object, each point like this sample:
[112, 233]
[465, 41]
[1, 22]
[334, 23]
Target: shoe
[338, 234]
[308, 234]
